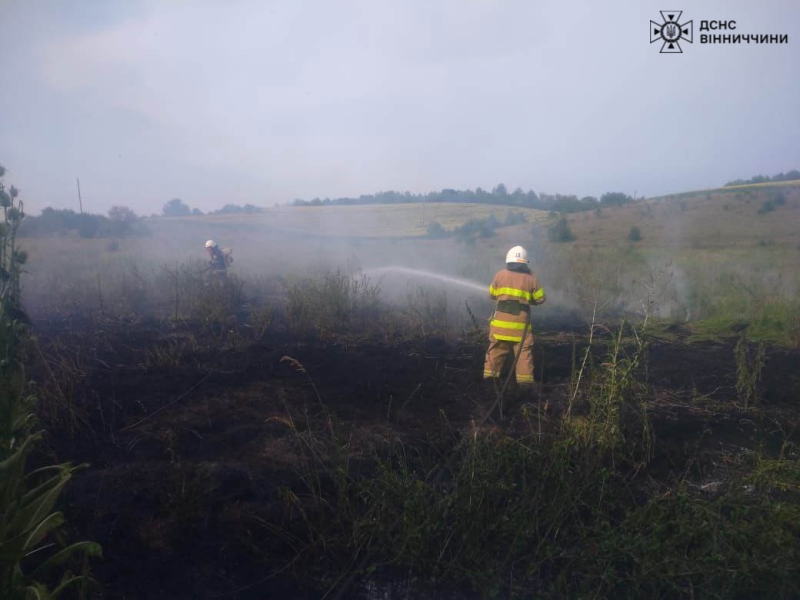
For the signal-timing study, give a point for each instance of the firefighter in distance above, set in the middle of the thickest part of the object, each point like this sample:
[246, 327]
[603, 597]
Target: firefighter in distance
[219, 260]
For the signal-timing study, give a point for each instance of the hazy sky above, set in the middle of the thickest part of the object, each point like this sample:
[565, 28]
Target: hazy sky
[265, 101]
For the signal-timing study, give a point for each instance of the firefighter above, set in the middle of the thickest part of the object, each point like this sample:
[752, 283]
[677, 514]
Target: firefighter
[515, 289]
[218, 264]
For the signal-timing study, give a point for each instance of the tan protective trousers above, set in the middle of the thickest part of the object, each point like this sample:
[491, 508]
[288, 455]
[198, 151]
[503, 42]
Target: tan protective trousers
[498, 352]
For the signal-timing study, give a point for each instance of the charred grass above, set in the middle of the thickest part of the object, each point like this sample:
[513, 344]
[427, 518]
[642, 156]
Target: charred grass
[322, 443]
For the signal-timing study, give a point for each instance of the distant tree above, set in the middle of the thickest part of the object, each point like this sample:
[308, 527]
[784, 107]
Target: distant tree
[176, 208]
[196, 212]
[122, 220]
[88, 225]
[635, 234]
[122, 214]
[589, 200]
[615, 199]
[500, 190]
[518, 197]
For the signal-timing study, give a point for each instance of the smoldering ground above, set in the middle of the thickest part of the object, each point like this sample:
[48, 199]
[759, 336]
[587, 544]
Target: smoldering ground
[261, 438]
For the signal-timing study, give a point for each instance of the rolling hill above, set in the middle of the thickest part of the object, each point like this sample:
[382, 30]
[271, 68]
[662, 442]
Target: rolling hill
[368, 221]
[757, 214]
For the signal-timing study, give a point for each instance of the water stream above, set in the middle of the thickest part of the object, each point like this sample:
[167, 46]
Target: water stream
[466, 283]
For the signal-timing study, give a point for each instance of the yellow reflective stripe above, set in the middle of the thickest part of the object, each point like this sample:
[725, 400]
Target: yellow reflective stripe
[538, 294]
[507, 324]
[506, 291]
[507, 338]
[488, 374]
[524, 378]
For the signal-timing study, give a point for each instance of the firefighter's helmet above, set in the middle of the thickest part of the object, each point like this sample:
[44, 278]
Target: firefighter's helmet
[517, 254]
[211, 244]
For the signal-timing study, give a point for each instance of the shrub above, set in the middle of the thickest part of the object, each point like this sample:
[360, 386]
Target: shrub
[560, 232]
[435, 230]
[635, 234]
[476, 228]
[513, 218]
[767, 207]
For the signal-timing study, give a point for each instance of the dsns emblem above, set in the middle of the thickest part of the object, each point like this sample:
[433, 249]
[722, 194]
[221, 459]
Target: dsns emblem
[671, 31]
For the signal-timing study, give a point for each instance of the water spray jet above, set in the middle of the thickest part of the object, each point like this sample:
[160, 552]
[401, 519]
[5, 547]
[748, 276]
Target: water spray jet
[466, 283]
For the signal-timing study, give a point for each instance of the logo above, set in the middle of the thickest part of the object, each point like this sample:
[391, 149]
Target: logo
[671, 32]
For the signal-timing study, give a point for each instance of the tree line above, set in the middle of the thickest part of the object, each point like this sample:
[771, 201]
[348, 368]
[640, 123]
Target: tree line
[178, 208]
[793, 175]
[122, 221]
[498, 196]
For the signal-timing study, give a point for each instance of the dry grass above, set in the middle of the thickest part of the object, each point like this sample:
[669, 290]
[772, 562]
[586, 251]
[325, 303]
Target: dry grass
[712, 219]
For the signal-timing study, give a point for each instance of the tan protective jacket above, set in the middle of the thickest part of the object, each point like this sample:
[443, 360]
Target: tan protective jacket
[507, 288]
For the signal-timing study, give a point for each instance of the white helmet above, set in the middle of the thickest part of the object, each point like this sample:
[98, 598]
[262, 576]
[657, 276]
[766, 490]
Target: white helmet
[211, 244]
[517, 254]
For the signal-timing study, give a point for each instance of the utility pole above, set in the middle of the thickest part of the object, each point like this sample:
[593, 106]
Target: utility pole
[80, 202]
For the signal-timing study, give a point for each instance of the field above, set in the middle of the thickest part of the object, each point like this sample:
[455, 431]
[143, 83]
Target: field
[403, 220]
[316, 428]
[724, 218]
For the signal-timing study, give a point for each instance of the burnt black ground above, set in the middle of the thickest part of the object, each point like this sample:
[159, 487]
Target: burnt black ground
[188, 459]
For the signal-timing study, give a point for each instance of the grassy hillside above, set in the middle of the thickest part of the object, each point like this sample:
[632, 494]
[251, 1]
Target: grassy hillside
[767, 185]
[754, 215]
[738, 216]
[732, 257]
[395, 220]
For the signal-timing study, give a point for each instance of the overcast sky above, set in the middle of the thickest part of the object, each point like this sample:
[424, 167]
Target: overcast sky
[265, 101]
